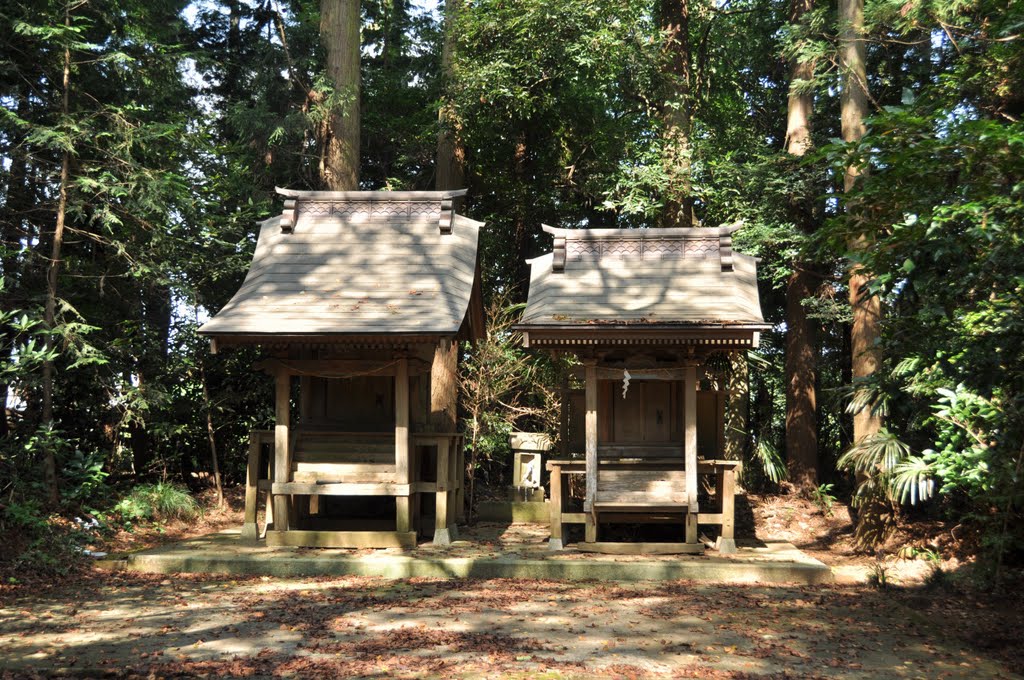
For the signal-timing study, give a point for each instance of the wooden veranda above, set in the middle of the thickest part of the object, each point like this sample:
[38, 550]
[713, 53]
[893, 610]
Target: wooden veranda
[643, 310]
[358, 301]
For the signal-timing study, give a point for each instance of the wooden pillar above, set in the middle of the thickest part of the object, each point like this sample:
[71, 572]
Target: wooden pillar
[441, 509]
[563, 420]
[460, 479]
[555, 505]
[690, 451]
[282, 456]
[403, 511]
[726, 490]
[252, 476]
[591, 449]
[453, 470]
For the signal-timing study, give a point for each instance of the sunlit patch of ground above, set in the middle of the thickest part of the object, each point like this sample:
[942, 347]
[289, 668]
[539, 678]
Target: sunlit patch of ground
[139, 625]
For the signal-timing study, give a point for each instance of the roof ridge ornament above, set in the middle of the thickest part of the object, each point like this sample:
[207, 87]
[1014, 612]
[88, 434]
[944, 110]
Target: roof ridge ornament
[288, 215]
[448, 201]
[725, 233]
[444, 223]
[558, 260]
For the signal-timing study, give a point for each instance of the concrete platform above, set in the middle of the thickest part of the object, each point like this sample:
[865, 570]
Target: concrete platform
[486, 551]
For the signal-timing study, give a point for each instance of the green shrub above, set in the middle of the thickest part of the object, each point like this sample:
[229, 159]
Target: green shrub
[158, 502]
[823, 497]
[37, 545]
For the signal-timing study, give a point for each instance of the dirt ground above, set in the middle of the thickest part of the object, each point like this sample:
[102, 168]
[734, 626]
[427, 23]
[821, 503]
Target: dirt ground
[122, 625]
[103, 624]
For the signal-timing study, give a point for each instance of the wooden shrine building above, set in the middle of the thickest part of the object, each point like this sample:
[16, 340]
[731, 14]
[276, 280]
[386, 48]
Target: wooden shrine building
[644, 310]
[358, 301]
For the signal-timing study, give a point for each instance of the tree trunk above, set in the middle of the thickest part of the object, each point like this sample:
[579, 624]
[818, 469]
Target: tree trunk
[854, 108]
[801, 333]
[211, 435]
[451, 156]
[444, 387]
[737, 407]
[801, 369]
[339, 32]
[677, 114]
[233, 67]
[50, 311]
[521, 226]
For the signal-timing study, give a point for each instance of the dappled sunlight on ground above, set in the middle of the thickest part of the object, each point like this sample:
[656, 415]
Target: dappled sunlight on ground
[185, 625]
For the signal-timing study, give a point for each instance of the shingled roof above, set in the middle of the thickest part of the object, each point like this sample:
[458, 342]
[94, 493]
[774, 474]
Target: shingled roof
[667, 279]
[358, 263]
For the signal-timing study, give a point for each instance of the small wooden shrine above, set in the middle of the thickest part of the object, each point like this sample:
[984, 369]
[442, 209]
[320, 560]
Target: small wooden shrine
[644, 310]
[358, 300]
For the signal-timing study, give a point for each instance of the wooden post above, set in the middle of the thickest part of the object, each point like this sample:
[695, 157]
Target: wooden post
[460, 479]
[690, 451]
[726, 490]
[403, 511]
[555, 504]
[282, 460]
[441, 534]
[453, 468]
[563, 420]
[591, 449]
[252, 474]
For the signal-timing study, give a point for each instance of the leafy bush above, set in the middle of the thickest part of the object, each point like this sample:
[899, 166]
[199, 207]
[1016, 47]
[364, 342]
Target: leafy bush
[158, 502]
[37, 545]
[823, 497]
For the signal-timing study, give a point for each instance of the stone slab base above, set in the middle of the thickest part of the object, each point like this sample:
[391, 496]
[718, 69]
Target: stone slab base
[228, 554]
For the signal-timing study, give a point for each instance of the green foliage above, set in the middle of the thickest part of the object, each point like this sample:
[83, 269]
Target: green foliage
[943, 205]
[769, 461]
[37, 545]
[878, 576]
[503, 387]
[160, 502]
[823, 497]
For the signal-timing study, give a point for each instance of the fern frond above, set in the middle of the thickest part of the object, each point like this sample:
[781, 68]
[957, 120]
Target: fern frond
[912, 481]
[880, 452]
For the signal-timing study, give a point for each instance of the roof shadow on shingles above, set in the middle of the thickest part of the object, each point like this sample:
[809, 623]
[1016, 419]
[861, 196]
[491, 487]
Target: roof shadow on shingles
[666, 290]
[334, 275]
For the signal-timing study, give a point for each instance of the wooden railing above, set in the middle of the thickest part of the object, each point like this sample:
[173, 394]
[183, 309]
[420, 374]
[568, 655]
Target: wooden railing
[353, 464]
[664, 483]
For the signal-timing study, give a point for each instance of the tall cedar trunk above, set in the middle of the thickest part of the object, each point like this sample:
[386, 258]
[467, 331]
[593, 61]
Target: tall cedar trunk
[801, 333]
[854, 108]
[339, 33]
[50, 311]
[233, 67]
[737, 407]
[677, 113]
[521, 225]
[444, 387]
[451, 156]
[450, 164]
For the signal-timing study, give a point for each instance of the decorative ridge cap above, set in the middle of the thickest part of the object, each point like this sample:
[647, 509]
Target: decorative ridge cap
[687, 233]
[561, 250]
[372, 196]
[446, 201]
